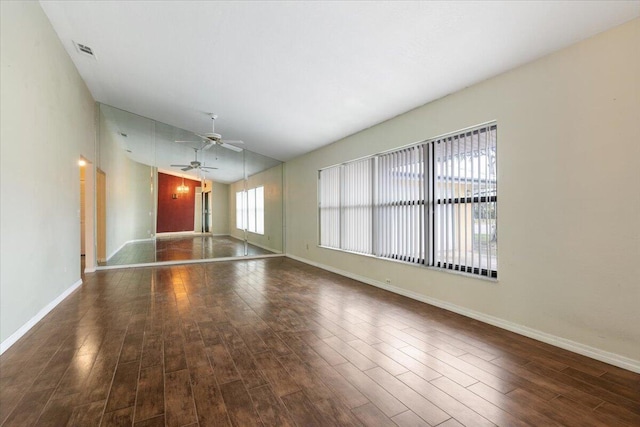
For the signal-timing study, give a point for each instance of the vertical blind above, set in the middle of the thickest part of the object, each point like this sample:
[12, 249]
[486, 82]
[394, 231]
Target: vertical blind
[356, 208]
[465, 188]
[329, 204]
[401, 228]
[433, 203]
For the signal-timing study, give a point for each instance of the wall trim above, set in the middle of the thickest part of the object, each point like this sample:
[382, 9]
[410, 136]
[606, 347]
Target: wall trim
[11, 340]
[126, 243]
[264, 247]
[256, 244]
[186, 261]
[178, 233]
[576, 347]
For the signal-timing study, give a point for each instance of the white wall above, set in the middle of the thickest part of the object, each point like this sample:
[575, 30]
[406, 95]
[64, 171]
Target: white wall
[47, 123]
[219, 207]
[129, 197]
[271, 179]
[569, 195]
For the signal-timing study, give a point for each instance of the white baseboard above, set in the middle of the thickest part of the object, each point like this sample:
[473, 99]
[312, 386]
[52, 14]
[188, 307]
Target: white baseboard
[576, 347]
[255, 244]
[264, 247]
[126, 243]
[180, 234]
[187, 261]
[90, 270]
[39, 316]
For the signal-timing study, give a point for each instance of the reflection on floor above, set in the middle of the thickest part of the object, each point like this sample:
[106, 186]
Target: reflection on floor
[274, 342]
[180, 248]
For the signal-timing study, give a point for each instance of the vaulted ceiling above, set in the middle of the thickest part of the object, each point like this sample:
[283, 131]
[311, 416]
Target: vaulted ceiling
[290, 77]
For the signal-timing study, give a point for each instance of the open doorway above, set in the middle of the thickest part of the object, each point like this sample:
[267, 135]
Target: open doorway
[198, 215]
[101, 216]
[202, 209]
[87, 216]
[206, 209]
[83, 200]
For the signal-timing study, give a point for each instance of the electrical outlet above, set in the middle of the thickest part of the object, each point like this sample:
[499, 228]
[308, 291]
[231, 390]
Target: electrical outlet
[387, 281]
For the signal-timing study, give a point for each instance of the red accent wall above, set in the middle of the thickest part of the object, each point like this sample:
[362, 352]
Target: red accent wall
[175, 214]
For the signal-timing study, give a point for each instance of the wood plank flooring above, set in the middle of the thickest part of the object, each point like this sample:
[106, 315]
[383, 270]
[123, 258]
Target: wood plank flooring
[180, 248]
[277, 342]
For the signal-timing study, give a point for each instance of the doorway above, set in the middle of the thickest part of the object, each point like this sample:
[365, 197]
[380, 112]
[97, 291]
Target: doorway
[87, 216]
[83, 211]
[101, 215]
[206, 209]
[198, 211]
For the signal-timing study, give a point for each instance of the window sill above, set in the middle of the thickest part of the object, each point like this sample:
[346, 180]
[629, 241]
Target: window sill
[412, 264]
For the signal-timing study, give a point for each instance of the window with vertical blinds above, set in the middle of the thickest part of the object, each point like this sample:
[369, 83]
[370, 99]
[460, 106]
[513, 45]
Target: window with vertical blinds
[329, 195]
[356, 209]
[241, 210]
[465, 195]
[433, 203]
[401, 228]
[250, 210]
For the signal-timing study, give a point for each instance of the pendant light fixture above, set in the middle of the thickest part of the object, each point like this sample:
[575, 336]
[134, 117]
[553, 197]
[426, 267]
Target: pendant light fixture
[183, 188]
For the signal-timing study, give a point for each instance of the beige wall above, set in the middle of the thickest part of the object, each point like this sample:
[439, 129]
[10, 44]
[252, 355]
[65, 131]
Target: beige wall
[46, 124]
[219, 208]
[129, 197]
[271, 179]
[569, 196]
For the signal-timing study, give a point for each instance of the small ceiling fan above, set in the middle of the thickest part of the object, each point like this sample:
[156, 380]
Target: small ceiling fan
[195, 164]
[215, 138]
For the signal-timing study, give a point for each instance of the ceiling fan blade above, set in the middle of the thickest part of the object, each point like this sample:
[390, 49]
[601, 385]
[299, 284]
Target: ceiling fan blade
[207, 167]
[208, 145]
[179, 166]
[232, 141]
[188, 142]
[231, 147]
[188, 168]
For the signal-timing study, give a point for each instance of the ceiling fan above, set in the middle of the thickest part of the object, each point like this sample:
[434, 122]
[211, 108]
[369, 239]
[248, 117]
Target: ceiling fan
[195, 164]
[215, 138]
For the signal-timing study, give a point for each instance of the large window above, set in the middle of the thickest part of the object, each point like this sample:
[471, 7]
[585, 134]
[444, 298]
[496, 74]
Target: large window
[433, 203]
[250, 210]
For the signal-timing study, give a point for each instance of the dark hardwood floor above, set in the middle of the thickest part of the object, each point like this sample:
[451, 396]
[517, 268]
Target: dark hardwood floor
[277, 342]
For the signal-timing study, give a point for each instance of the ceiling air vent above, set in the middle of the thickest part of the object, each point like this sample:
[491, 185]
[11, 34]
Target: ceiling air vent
[84, 49]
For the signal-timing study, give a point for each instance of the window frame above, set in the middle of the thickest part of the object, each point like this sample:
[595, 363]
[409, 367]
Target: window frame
[430, 200]
[242, 210]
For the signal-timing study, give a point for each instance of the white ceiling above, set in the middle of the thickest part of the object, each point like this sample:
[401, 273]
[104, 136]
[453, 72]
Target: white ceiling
[290, 77]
